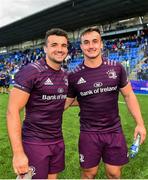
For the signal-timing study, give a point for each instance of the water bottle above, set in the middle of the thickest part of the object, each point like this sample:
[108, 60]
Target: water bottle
[27, 175]
[135, 146]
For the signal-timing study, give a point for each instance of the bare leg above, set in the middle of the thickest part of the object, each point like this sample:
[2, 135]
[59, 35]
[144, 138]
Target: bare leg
[89, 173]
[52, 176]
[113, 172]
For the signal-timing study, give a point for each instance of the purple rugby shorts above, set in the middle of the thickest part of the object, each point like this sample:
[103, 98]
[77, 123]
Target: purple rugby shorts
[45, 158]
[111, 147]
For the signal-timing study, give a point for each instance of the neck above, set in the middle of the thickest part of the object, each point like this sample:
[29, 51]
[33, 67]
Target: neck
[53, 64]
[93, 63]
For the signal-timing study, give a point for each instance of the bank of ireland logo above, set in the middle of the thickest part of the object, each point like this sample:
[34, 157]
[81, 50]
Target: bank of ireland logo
[98, 84]
[60, 90]
[81, 158]
[112, 74]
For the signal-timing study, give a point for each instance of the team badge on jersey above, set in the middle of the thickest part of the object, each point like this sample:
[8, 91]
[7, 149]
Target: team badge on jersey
[81, 81]
[112, 74]
[60, 90]
[65, 81]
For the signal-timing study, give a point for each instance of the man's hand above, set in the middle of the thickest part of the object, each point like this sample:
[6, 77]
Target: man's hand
[20, 163]
[140, 129]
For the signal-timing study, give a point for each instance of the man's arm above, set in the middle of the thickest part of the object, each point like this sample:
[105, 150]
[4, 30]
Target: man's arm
[134, 108]
[71, 102]
[17, 100]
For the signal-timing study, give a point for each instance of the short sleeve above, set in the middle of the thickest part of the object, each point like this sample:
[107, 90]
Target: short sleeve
[25, 78]
[123, 77]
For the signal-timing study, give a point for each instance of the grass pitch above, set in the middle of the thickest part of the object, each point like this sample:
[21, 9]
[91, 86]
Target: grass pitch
[137, 168]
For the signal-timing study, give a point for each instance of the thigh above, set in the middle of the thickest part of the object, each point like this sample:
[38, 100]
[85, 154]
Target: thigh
[115, 151]
[53, 176]
[57, 159]
[90, 150]
[38, 156]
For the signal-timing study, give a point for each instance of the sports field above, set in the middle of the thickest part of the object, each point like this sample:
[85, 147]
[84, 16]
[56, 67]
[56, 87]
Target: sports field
[136, 169]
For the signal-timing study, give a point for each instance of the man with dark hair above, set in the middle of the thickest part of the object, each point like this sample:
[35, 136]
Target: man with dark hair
[96, 84]
[41, 88]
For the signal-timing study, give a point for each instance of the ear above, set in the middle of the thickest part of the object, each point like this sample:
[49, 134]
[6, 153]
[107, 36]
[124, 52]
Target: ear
[45, 49]
[101, 45]
[81, 46]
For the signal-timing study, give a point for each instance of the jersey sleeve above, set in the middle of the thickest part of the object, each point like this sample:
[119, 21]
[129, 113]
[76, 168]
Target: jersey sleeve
[25, 78]
[123, 77]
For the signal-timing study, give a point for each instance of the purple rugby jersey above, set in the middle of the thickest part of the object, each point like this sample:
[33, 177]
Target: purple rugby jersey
[97, 92]
[48, 90]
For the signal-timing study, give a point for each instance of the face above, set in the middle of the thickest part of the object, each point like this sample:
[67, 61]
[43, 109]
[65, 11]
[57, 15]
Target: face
[56, 48]
[91, 44]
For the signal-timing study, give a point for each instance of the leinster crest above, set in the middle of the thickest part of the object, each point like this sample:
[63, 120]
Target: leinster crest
[112, 74]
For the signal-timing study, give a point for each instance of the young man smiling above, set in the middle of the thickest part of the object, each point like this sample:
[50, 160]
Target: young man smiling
[41, 88]
[96, 83]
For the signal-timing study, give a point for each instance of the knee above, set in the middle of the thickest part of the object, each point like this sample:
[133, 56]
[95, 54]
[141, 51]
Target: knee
[113, 174]
[88, 174]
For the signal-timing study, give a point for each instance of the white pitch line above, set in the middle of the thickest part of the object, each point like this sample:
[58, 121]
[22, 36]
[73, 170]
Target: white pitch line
[121, 102]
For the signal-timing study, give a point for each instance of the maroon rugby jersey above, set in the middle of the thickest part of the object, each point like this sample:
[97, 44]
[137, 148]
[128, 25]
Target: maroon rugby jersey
[48, 89]
[97, 92]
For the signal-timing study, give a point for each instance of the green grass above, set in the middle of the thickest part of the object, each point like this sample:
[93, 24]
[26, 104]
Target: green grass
[137, 168]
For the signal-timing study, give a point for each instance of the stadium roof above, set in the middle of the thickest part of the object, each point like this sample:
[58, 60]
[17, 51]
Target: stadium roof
[71, 15]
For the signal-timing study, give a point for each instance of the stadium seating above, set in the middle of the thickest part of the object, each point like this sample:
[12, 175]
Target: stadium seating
[124, 51]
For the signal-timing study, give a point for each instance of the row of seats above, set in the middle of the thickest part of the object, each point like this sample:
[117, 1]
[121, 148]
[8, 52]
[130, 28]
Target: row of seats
[133, 56]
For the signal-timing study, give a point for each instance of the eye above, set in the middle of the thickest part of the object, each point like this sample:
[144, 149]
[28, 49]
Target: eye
[53, 44]
[95, 40]
[85, 42]
[65, 45]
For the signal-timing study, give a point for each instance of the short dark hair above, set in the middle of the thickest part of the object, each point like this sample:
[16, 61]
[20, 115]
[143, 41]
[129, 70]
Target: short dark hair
[56, 31]
[89, 29]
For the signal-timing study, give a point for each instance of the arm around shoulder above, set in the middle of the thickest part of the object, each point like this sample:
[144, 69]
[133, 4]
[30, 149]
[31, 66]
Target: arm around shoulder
[70, 102]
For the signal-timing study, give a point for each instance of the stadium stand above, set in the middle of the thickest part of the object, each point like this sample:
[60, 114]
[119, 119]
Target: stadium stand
[124, 33]
[71, 15]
